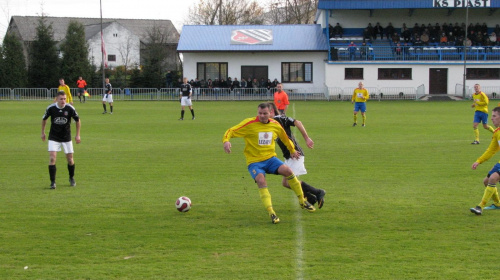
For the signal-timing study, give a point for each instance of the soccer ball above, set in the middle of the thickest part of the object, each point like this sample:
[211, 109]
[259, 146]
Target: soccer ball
[183, 204]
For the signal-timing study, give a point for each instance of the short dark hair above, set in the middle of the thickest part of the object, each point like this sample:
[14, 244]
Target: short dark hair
[264, 106]
[61, 92]
[273, 107]
[496, 109]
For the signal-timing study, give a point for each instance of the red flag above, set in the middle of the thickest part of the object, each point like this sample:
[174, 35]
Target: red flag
[103, 49]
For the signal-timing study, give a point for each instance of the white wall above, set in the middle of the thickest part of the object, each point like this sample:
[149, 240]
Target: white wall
[273, 60]
[335, 75]
[115, 45]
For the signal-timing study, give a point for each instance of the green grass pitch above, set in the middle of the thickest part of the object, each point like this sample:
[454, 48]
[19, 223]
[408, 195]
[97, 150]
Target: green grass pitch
[397, 206]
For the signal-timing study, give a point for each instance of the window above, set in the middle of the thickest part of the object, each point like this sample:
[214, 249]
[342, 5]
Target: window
[483, 74]
[211, 70]
[258, 72]
[111, 57]
[394, 73]
[354, 73]
[296, 72]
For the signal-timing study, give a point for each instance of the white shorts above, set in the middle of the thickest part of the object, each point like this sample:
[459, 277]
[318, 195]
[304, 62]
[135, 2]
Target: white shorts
[56, 146]
[185, 101]
[297, 166]
[108, 99]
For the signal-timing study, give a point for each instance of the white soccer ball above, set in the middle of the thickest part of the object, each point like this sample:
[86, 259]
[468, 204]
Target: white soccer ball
[183, 204]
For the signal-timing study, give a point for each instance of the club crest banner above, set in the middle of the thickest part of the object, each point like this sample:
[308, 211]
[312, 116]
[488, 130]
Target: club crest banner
[252, 37]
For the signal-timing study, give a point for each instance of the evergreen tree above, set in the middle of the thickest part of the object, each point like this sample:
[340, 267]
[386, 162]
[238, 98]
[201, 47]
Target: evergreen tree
[43, 69]
[75, 54]
[13, 66]
[155, 57]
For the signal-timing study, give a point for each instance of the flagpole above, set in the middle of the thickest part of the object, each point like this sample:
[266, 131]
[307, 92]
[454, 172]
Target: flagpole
[102, 51]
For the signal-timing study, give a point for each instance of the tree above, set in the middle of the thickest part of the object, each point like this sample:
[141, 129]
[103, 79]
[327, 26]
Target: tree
[155, 53]
[75, 52]
[13, 66]
[226, 12]
[125, 50]
[292, 11]
[43, 68]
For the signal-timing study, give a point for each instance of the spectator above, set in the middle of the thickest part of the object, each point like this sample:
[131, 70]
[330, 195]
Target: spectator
[370, 30]
[443, 41]
[479, 39]
[269, 84]
[378, 29]
[406, 35]
[418, 44]
[451, 39]
[262, 83]
[497, 30]
[169, 79]
[398, 51]
[363, 51]
[416, 30]
[493, 38]
[484, 28]
[275, 83]
[338, 30]
[229, 83]
[395, 38]
[434, 35]
[367, 35]
[352, 50]
[236, 83]
[389, 30]
[243, 83]
[203, 84]
[488, 44]
[425, 39]
[249, 83]
[210, 84]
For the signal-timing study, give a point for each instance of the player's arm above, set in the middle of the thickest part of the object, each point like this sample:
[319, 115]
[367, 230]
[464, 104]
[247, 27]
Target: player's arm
[288, 143]
[490, 151]
[353, 97]
[366, 95]
[77, 137]
[44, 123]
[190, 91]
[302, 129]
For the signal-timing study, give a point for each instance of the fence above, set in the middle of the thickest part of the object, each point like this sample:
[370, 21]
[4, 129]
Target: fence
[493, 92]
[237, 94]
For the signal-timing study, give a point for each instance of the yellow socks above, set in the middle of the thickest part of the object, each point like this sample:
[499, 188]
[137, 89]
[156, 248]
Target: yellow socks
[364, 119]
[355, 118]
[490, 191]
[476, 134]
[265, 196]
[294, 184]
[490, 128]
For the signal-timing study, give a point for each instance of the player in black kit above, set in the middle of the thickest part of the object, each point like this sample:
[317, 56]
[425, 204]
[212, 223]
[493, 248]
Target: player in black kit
[186, 92]
[312, 194]
[61, 114]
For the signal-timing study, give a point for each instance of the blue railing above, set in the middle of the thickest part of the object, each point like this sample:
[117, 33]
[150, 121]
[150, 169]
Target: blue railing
[413, 53]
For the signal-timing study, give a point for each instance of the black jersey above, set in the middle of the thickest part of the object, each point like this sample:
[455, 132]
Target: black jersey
[109, 88]
[60, 127]
[287, 123]
[185, 89]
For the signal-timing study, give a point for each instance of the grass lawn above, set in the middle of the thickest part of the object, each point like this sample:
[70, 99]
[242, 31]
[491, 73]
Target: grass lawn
[397, 206]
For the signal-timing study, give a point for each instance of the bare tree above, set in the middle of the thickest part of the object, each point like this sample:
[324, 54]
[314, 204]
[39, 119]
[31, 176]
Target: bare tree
[226, 12]
[291, 11]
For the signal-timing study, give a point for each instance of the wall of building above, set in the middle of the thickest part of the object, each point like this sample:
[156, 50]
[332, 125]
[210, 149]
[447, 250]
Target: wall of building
[335, 75]
[117, 40]
[273, 60]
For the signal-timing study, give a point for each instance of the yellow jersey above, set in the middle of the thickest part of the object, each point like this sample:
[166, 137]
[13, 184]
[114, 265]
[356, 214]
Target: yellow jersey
[481, 102]
[65, 88]
[360, 95]
[259, 138]
[492, 148]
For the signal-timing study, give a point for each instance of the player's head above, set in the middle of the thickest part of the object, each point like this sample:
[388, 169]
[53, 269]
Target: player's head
[61, 81]
[80, 78]
[61, 98]
[279, 87]
[274, 109]
[263, 112]
[477, 88]
[360, 85]
[185, 80]
[495, 116]
[106, 80]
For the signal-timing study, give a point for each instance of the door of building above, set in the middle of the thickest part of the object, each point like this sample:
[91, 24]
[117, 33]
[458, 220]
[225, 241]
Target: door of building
[438, 81]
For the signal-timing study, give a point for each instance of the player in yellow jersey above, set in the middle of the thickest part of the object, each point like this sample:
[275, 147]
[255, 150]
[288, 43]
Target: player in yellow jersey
[491, 191]
[64, 87]
[359, 98]
[260, 134]
[481, 112]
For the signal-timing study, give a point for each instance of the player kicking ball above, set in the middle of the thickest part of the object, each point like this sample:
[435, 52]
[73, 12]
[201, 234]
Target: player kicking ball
[491, 191]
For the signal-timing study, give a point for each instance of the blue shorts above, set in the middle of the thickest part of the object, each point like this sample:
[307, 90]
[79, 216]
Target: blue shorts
[480, 117]
[360, 106]
[495, 168]
[269, 166]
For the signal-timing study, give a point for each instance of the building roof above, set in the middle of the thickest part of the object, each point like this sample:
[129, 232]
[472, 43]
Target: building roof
[399, 4]
[26, 26]
[252, 38]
